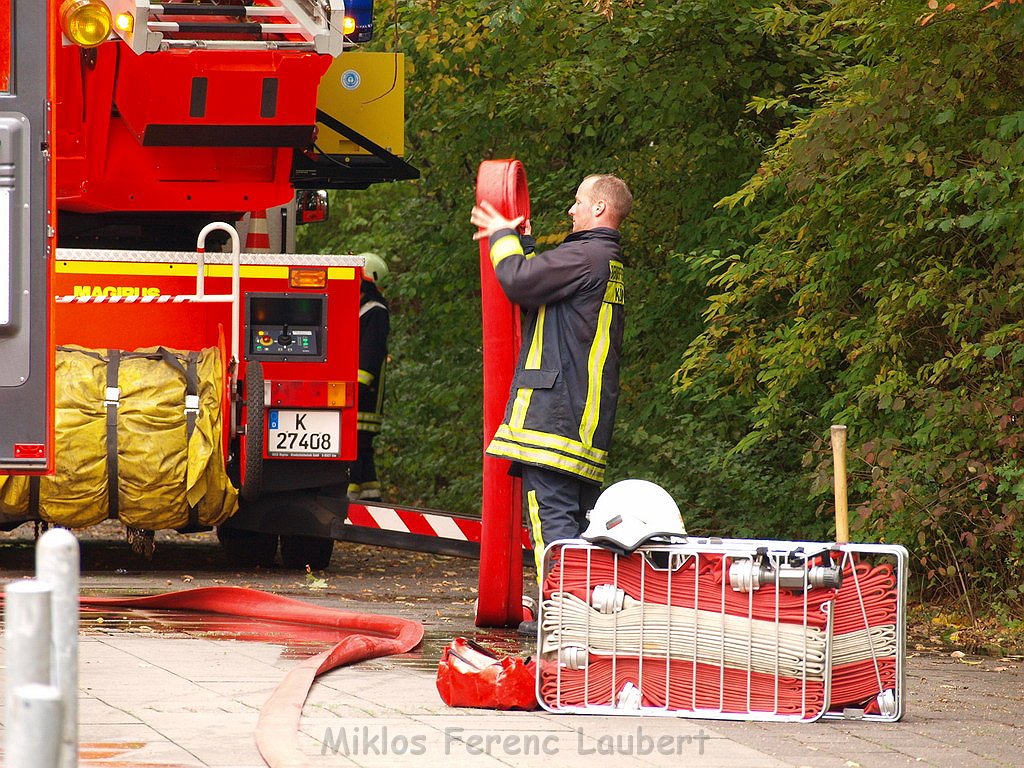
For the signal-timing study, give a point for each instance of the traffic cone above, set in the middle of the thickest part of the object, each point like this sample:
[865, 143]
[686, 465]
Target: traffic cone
[257, 239]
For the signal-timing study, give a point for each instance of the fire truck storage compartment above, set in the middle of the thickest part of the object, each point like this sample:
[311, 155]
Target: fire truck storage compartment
[282, 326]
[218, 98]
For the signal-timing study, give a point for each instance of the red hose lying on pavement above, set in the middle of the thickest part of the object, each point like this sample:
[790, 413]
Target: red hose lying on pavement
[277, 730]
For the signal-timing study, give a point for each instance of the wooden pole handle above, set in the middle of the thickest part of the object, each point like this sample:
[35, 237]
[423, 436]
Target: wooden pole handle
[839, 483]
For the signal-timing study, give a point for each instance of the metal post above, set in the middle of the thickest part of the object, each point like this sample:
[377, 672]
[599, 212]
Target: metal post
[35, 742]
[57, 565]
[27, 639]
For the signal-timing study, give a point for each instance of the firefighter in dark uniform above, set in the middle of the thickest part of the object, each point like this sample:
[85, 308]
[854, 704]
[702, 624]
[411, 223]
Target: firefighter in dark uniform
[374, 326]
[558, 422]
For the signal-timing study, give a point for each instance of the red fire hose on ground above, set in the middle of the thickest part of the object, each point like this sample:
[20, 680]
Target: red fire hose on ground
[499, 604]
[369, 636]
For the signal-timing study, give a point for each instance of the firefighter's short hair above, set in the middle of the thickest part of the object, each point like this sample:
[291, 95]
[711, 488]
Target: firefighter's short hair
[614, 192]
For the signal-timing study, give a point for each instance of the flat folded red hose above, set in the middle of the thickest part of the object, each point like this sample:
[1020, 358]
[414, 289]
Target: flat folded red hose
[371, 636]
[503, 184]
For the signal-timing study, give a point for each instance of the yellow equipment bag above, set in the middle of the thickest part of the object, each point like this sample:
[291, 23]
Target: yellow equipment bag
[138, 437]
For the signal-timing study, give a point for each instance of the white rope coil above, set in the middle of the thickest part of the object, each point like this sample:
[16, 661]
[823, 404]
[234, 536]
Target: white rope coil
[709, 637]
[662, 631]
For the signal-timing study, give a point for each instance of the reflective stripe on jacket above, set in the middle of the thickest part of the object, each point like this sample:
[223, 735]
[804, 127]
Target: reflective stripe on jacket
[562, 404]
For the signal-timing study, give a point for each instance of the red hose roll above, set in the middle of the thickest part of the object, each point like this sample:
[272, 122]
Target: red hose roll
[579, 571]
[640, 581]
[499, 603]
[672, 686]
[867, 599]
[857, 683]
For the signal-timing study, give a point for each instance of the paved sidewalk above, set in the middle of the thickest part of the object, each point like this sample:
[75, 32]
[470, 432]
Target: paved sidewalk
[159, 691]
[166, 700]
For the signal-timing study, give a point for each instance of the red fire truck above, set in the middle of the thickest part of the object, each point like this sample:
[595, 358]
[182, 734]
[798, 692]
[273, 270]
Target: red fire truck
[166, 118]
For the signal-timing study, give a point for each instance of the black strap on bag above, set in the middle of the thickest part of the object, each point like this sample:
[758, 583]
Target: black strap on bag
[191, 415]
[191, 375]
[191, 394]
[111, 400]
[33, 497]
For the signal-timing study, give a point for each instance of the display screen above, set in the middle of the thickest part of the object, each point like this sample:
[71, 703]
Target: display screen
[279, 310]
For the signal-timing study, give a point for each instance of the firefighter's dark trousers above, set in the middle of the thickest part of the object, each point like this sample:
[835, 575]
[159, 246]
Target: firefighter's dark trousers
[362, 478]
[557, 505]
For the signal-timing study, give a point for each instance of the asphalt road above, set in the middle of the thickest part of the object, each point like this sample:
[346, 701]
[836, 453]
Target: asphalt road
[962, 711]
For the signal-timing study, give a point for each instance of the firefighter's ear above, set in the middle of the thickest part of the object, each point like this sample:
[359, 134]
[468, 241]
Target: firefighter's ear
[597, 208]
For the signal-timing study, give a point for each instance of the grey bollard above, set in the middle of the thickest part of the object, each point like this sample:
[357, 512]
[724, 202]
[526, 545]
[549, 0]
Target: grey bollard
[35, 742]
[57, 564]
[27, 640]
[27, 633]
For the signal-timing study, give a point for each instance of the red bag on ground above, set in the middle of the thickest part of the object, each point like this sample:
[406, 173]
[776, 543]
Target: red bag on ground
[469, 675]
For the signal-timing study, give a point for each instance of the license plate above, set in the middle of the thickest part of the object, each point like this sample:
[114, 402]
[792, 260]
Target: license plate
[314, 434]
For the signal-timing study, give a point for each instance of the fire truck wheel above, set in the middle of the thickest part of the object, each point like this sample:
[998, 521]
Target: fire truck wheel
[252, 469]
[248, 549]
[299, 551]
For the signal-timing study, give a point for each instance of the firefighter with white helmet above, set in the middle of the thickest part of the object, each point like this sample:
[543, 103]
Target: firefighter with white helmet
[374, 327]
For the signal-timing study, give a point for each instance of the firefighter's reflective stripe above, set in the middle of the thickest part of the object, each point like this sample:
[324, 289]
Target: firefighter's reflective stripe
[551, 441]
[504, 248]
[595, 367]
[535, 531]
[533, 359]
[365, 377]
[508, 447]
[364, 491]
[369, 422]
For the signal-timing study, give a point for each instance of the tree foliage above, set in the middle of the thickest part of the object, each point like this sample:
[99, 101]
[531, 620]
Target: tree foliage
[826, 228]
[883, 290]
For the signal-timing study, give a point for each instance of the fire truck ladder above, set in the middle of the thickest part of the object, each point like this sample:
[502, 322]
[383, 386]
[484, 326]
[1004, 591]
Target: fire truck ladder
[305, 25]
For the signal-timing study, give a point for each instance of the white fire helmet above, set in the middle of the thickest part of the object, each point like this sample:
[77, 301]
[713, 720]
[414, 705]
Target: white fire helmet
[375, 268]
[632, 512]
